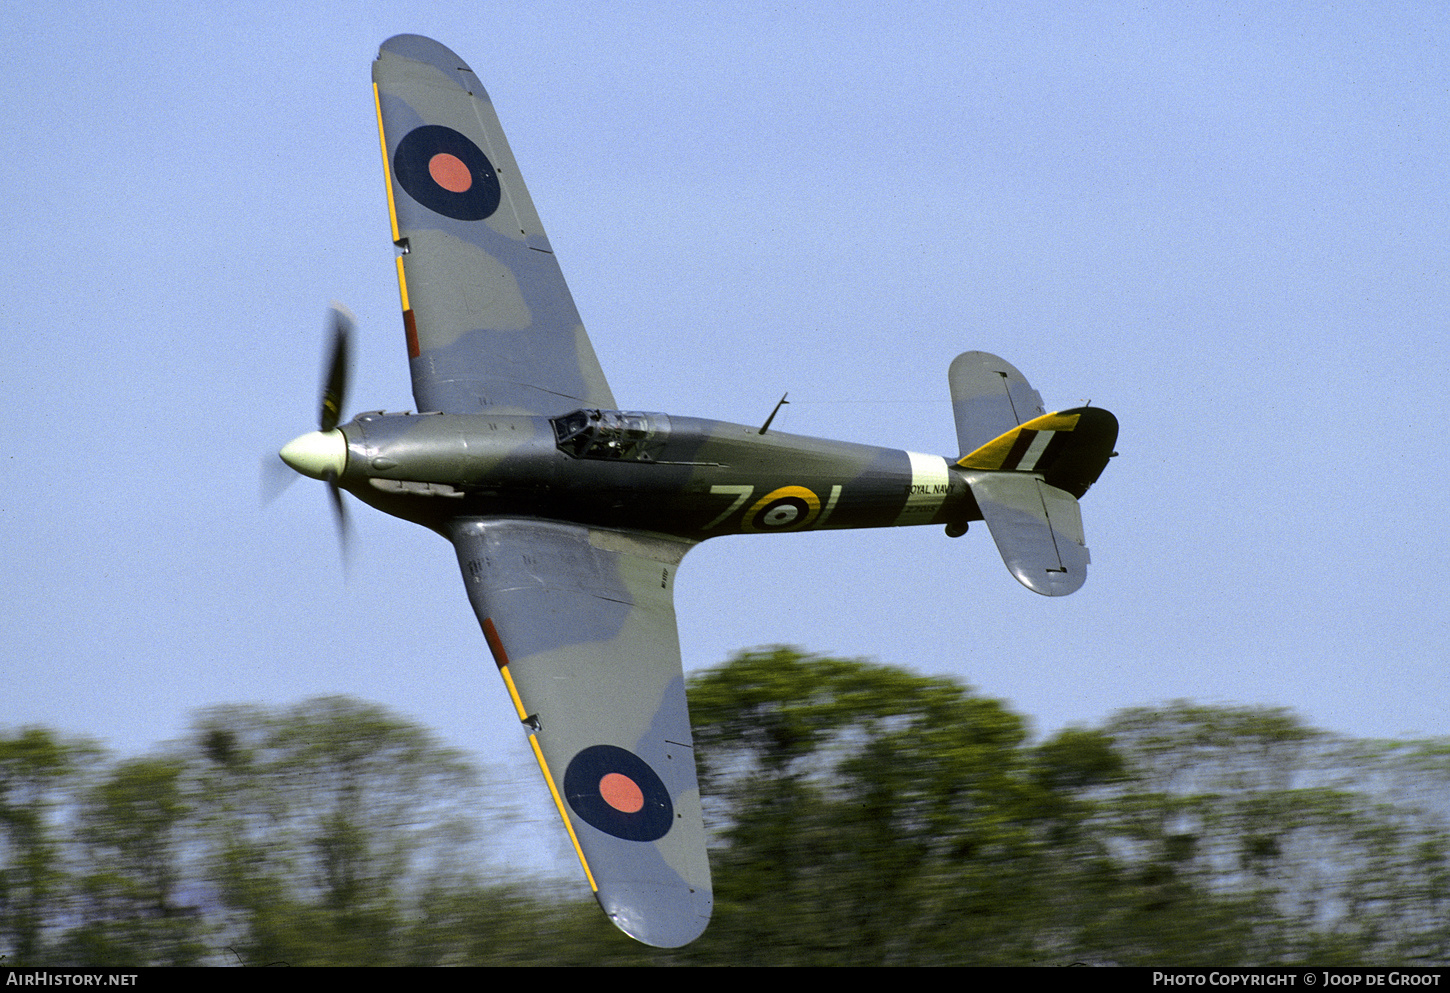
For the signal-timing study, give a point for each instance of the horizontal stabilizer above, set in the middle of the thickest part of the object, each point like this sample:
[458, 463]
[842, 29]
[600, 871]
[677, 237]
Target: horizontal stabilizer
[1037, 528]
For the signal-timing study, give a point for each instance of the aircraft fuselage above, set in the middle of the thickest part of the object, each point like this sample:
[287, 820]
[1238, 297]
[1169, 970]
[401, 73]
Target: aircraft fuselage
[687, 477]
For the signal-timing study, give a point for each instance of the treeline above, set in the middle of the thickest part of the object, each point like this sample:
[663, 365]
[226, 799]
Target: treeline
[862, 815]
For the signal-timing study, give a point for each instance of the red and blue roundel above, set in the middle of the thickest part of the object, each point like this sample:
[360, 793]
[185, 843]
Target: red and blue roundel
[616, 791]
[447, 173]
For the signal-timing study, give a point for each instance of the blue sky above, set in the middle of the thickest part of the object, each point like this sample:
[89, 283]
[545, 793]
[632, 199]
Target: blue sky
[1227, 225]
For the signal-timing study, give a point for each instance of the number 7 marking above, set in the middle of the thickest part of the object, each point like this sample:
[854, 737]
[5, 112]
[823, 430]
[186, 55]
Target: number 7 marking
[742, 493]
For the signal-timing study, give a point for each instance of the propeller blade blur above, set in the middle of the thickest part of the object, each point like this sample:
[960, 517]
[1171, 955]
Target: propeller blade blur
[334, 388]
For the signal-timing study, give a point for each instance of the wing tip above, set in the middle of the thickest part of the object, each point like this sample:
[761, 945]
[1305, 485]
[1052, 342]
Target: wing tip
[1049, 582]
[435, 54]
[662, 917]
[422, 49]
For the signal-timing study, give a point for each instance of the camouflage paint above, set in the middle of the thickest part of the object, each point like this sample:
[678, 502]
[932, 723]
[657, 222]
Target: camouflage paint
[570, 517]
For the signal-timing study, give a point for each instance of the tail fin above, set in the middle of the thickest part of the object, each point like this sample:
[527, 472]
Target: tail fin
[989, 397]
[1028, 477]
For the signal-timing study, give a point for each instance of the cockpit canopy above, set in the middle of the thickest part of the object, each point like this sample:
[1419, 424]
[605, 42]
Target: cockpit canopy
[616, 435]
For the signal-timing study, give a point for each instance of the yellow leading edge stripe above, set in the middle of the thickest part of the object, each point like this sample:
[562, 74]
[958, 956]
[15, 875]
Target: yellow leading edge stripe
[403, 286]
[392, 206]
[508, 681]
[387, 166]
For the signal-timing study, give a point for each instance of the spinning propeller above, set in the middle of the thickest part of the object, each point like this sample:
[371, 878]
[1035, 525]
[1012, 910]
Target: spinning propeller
[322, 454]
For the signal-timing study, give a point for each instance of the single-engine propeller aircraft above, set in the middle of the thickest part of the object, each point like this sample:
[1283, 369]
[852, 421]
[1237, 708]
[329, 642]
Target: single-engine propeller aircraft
[570, 516]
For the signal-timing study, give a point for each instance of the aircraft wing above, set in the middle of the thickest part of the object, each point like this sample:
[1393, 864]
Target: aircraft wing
[581, 623]
[490, 323]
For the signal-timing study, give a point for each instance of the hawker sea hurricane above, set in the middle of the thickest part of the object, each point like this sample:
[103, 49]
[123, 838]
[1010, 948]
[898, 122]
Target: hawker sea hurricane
[570, 516]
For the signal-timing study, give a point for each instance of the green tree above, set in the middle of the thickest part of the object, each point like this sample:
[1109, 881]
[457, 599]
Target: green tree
[1315, 838]
[324, 824]
[861, 814]
[131, 834]
[37, 769]
[866, 815]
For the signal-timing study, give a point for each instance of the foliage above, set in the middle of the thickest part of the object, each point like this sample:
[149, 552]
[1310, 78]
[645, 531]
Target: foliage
[868, 815]
[1318, 837]
[37, 769]
[859, 791]
[334, 814]
[131, 836]
[861, 815]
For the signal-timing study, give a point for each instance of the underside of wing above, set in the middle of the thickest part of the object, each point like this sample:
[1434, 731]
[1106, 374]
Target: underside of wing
[489, 320]
[581, 624]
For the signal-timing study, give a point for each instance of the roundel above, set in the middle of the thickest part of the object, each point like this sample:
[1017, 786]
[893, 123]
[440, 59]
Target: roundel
[785, 509]
[446, 172]
[616, 791]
